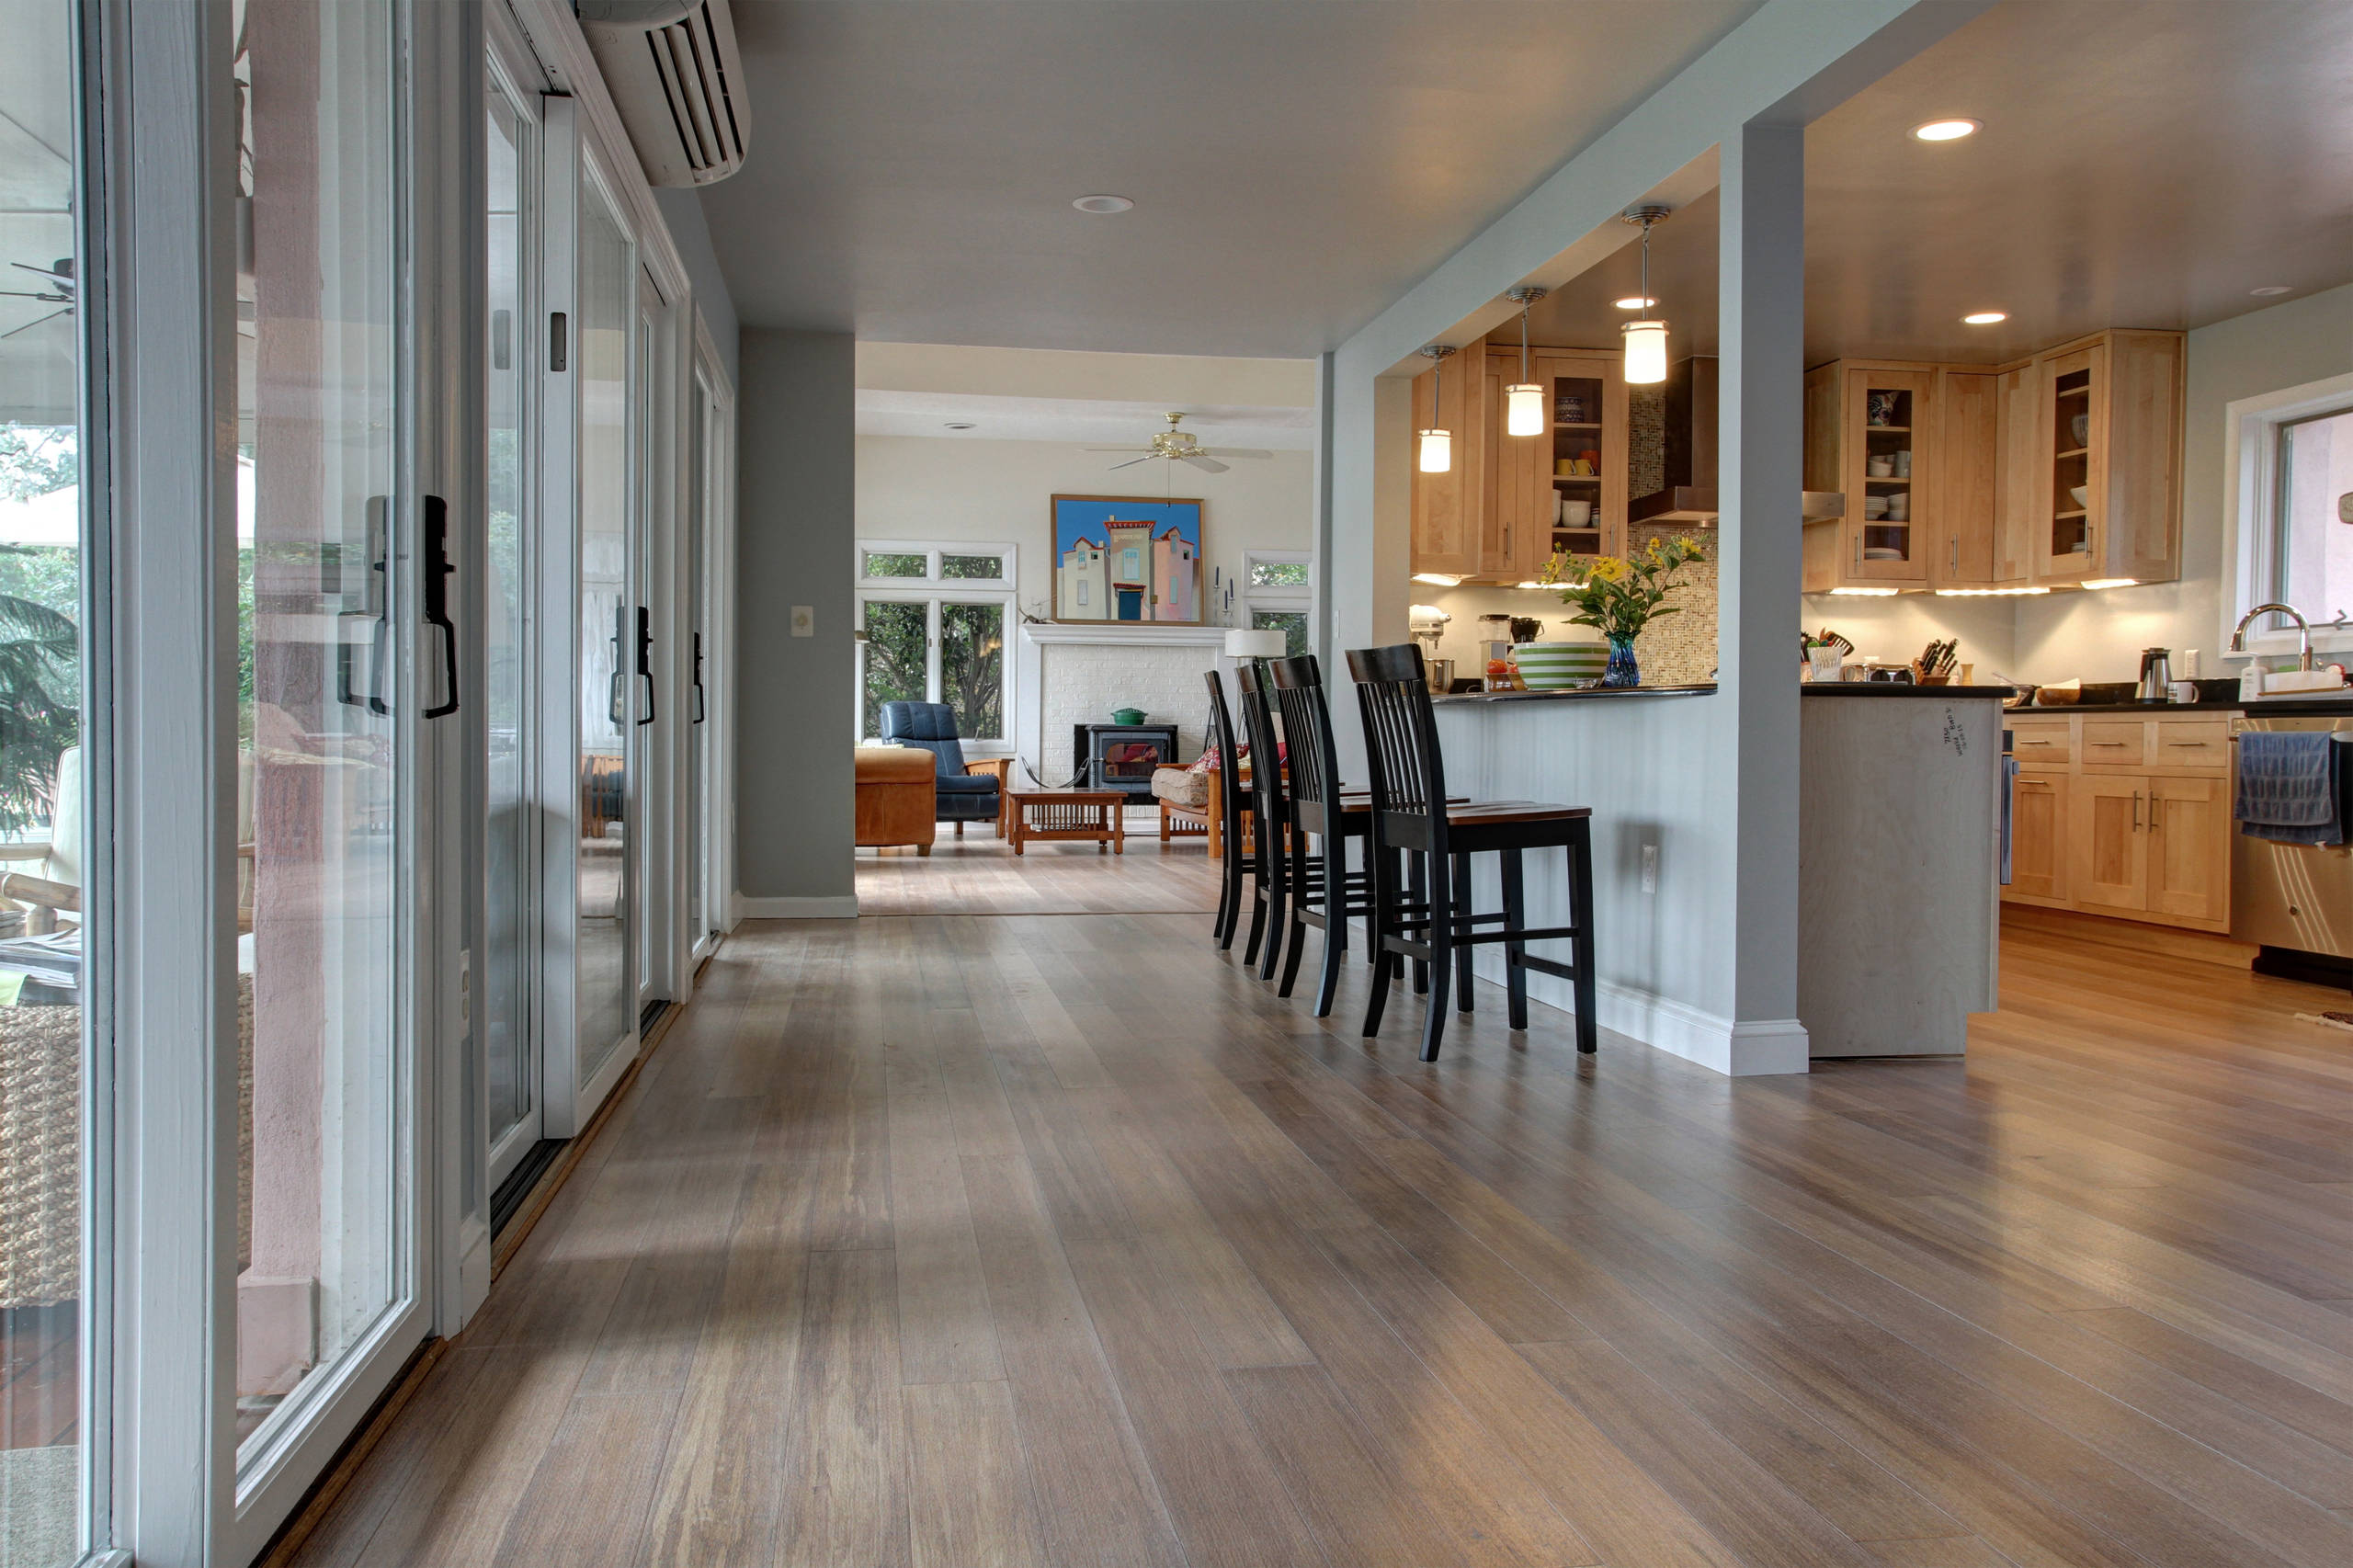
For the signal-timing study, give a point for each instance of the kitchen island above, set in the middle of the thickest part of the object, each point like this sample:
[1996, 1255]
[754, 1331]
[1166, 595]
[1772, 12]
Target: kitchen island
[1898, 856]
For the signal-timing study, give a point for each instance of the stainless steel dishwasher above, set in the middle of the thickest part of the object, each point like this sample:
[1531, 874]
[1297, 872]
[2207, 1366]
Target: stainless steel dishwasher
[2292, 895]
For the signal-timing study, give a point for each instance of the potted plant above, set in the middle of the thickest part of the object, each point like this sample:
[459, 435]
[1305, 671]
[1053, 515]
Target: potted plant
[1619, 596]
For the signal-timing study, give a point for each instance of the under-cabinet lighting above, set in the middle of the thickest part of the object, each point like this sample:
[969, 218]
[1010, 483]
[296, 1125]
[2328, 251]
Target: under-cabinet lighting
[1532, 584]
[1988, 592]
[1439, 579]
[2111, 582]
[1863, 592]
[1944, 129]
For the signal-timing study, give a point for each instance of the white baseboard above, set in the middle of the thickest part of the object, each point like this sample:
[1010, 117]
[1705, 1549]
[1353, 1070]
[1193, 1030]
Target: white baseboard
[842, 908]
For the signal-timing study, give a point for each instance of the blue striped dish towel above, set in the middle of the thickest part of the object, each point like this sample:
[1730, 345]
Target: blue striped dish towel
[2288, 787]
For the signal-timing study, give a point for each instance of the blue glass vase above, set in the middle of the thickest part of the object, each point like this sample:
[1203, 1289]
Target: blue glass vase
[1623, 669]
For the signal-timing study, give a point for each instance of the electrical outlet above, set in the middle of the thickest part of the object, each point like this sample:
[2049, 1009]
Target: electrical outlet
[804, 621]
[2189, 664]
[1650, 867]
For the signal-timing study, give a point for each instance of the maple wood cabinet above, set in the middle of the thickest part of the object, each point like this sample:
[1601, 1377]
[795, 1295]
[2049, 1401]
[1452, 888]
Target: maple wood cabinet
[1494, 515]
[2124, 815]
[2063, 468]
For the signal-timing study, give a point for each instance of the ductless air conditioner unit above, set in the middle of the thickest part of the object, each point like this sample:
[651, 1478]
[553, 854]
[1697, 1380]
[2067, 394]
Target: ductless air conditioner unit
[678, 78]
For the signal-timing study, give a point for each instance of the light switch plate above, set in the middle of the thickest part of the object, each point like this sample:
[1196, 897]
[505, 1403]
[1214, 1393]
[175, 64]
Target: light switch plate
[804, 621]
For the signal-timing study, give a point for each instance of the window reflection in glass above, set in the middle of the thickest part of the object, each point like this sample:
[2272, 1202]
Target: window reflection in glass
[320, 628]
[43, 831]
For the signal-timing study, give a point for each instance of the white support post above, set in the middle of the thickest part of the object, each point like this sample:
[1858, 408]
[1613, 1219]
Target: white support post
[1761, 285]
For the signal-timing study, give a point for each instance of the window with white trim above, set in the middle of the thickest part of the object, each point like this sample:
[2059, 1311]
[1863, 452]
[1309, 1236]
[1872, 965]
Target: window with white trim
[936, 621]
[1277, 592]
[2291, 458]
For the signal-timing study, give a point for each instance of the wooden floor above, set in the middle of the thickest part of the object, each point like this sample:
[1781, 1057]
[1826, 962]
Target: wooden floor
[1055, 1240]
[980, 874]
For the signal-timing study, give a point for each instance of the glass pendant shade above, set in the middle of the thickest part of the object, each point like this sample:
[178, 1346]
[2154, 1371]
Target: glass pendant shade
[1438, 451]
[1524, 409]
[1645, 352]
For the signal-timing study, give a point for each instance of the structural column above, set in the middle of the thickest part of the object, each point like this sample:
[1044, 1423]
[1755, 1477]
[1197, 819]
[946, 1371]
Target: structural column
[1761, 283]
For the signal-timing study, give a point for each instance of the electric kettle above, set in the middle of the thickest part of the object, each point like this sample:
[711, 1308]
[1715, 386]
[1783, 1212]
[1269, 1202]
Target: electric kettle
[2156, 675]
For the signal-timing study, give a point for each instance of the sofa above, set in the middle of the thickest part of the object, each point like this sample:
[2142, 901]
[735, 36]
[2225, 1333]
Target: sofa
[963, 792]
[894, 797]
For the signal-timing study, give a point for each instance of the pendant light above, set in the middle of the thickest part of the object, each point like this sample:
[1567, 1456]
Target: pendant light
[1436, 442]
[1524, 404]
[1645, 340]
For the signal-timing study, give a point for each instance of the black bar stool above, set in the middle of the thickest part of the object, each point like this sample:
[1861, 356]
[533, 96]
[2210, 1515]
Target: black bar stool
[1269, 801]
[1323, 892]
[1411, 815]
[1233, 813]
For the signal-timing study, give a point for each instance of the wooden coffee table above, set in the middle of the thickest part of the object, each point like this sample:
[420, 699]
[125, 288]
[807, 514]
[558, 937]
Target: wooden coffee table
[1066, 815]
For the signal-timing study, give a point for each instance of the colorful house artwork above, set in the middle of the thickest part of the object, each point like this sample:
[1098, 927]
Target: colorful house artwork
[1123, 558]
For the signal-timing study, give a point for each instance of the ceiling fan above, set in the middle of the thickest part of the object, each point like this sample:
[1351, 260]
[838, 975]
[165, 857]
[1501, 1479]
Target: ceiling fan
[1184, 447]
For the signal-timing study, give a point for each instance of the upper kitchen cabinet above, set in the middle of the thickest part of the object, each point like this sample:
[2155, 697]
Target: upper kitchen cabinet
[1870, 434]
[2104, 474]
[1509, 501]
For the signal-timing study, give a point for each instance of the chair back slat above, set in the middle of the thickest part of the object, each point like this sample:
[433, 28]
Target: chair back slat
[1222, 737]
[1401, 746]
[1266, 752]
[1307, 725]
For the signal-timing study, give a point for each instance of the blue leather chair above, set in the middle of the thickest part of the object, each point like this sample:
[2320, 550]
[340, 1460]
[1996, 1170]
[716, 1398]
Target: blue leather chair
[962, 797]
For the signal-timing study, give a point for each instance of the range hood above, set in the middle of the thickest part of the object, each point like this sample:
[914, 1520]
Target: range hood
[1689, 494]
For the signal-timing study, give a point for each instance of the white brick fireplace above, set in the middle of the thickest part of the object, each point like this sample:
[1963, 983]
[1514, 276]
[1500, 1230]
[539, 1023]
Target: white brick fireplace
[1077, 674]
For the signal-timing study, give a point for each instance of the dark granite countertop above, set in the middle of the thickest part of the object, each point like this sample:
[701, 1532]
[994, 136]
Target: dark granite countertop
[1699, 689]
[2298, 706]
[1899, 689]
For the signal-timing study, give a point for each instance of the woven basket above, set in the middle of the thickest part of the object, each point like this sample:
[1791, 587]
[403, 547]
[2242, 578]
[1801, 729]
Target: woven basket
[40, 1150]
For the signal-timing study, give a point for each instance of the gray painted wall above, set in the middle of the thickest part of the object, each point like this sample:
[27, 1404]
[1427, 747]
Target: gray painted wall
[795, 529]
[682, 212]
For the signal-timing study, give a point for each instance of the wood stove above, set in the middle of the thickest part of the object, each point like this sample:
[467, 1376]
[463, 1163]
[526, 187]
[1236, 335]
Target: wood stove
[1121, 757]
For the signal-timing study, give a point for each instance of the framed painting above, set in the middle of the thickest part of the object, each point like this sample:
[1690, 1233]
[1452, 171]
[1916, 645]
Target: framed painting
[1122, 558]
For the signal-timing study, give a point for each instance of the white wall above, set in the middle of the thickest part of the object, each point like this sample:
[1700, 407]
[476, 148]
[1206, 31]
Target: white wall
[1900, 627]
[914, 488]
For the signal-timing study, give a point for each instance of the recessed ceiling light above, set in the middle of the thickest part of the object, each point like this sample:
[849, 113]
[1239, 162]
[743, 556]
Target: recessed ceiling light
[1633, 302]
[1985, 318]
[2268, 289]
[1102, 204]
[1944, 129]
[960, 425]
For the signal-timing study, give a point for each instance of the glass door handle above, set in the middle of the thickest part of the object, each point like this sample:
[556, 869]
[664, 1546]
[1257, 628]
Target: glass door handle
[616, 700]
[645, 659]
[373, 595]
[438, 571]
[700, 713]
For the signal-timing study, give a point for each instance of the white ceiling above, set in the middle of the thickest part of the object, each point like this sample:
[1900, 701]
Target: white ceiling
[1091, 422]
[2143, 163]
[1296, 165]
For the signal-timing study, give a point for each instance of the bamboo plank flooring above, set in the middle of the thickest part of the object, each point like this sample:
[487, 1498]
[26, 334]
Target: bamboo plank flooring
[1055, 1238]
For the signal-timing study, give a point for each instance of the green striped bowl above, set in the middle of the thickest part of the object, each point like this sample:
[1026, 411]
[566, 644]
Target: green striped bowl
[1557, 666]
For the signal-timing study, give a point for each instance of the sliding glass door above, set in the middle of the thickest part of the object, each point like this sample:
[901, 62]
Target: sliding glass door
[512, 951]
[605, 647]
[327, 539]
[52, 1067]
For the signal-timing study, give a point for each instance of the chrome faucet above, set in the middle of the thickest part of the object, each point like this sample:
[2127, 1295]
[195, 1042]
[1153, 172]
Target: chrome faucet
[2238, 637]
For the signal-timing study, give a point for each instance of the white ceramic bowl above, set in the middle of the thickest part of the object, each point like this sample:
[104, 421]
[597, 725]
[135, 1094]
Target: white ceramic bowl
[1558, 666]
[1874, 506]
[2076, 492]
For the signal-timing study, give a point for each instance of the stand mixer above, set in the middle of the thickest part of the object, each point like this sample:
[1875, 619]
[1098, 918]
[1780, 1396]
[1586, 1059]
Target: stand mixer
[1428, 624]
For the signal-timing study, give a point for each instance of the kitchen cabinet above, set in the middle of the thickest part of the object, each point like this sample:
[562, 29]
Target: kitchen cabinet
[1870, 434]
[1495, 515]
[2124, 815]
[2059, 469]
[2108, 851]
[2037, 836]
[2105, 490]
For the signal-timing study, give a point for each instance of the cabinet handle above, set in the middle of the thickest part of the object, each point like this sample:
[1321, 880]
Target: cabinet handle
[2108, 742]
[1858, 546]
[1956, 552]
[2136, 811]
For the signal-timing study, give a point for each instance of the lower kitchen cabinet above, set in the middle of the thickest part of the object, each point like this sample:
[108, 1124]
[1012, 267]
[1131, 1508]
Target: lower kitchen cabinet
[2037, 838]
[2123, 816]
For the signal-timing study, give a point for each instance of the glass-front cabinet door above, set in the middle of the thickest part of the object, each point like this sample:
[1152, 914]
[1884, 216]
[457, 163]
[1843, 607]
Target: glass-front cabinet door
[1886, 480]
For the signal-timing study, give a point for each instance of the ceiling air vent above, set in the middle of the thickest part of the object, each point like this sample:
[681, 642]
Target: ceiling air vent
[676, 77]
